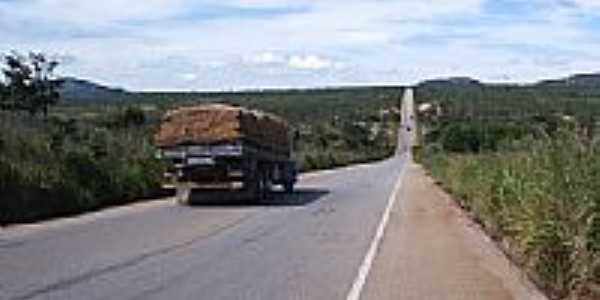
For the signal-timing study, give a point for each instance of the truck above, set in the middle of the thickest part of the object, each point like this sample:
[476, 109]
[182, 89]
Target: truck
[219, 147]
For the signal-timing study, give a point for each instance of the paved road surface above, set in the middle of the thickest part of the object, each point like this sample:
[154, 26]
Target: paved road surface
[305, 246]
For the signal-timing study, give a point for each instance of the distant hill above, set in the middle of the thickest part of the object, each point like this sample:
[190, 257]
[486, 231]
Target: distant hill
[461, 82]
[81, 91]
[76, 90]
[587, 81]
[579, 80]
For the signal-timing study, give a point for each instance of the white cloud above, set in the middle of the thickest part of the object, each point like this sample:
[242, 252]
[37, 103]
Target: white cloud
[265, 58]
[292, 61]
[309, 62]
[189, 77]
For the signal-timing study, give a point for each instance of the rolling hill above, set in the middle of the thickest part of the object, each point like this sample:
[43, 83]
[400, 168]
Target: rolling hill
[79, 91]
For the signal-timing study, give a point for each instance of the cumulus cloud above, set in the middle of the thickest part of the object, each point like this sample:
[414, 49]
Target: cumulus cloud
[265, 58]
[309, 62]
[292, 61]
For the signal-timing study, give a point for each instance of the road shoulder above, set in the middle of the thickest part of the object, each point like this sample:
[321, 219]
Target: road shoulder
[432, 250]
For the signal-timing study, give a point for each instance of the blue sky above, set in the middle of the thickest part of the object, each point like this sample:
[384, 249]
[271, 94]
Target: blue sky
[239, 44]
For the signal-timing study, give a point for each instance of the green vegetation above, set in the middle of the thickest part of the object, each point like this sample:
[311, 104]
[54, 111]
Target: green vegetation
[329, 145]
[29, 83]
[531, 178]
[543, 202]
[337, 127]
[57, 167]
[78, 156]
[512, 102]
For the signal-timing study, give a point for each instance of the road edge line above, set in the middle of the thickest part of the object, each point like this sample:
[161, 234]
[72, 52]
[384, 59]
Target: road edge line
[365, 267]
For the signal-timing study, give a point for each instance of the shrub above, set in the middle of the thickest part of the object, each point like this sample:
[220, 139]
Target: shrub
[59, 167]
[463, 137]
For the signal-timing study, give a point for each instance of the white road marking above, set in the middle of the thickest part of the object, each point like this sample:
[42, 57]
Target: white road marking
[365, 268]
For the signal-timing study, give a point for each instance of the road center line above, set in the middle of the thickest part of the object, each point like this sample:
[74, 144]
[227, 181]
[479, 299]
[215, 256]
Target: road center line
[363, 271]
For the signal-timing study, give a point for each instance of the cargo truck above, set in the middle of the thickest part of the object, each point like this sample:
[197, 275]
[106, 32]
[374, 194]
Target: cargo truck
[217, 147]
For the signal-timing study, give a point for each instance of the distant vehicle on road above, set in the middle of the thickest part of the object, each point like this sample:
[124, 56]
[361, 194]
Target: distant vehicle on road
[216, 146]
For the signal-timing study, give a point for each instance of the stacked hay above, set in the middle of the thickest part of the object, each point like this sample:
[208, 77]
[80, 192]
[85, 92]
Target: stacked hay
[219, 123]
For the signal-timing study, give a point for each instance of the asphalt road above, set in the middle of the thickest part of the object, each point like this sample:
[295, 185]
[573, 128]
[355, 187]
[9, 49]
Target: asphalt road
[309, 245]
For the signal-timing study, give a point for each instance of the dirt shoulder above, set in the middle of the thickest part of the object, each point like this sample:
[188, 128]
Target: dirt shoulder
[432, 250]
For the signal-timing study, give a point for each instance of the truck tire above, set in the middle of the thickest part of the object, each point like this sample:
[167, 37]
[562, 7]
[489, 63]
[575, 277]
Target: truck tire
[256, 186]
[288, 187]
[260, 189]
[263, 185]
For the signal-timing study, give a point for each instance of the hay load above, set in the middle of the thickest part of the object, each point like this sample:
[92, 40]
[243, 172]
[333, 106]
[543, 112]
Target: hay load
[211, 124]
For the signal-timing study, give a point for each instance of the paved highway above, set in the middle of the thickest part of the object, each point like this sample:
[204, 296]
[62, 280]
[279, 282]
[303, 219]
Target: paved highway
[309, 245]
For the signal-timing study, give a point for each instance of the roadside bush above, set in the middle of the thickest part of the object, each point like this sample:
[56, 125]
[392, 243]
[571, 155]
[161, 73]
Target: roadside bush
[329, 145]
[473, 137]
[56, 167]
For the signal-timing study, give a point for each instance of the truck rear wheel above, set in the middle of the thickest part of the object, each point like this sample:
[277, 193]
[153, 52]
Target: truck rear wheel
[288, 187]
[263, 185]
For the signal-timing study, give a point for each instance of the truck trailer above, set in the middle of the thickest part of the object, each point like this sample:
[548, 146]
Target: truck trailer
[213, 147]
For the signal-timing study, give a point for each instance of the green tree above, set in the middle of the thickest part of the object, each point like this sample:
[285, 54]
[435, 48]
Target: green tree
[133, 116]
[2, 91]
[29, 83]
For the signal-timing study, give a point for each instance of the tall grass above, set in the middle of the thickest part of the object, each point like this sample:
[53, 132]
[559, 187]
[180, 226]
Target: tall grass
[58, 167]
[541, 199]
